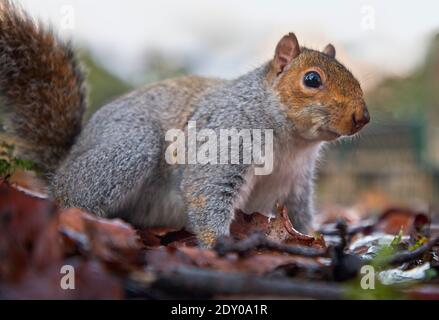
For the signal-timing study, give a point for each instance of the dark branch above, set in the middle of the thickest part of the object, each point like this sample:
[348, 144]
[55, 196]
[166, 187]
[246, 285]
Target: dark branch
[258, 240]
[203, 283]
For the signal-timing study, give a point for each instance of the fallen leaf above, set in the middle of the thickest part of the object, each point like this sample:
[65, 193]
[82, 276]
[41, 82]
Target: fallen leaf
[23, 220]
[277, 228]
[393, 220]
[92, 281]
[112, 241]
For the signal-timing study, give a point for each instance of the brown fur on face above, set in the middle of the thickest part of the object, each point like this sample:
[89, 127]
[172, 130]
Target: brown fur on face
[323, 113]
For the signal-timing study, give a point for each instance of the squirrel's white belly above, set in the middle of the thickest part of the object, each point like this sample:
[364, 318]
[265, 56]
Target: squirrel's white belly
[260, 193]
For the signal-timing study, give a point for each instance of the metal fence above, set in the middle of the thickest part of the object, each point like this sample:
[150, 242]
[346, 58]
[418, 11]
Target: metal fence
[387, 159]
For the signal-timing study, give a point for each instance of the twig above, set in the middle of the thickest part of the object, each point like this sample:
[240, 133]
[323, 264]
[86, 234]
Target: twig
[342, 231]
[408, 256]
[203, 283]
[257, 240]
[345, 266]
[365, 226]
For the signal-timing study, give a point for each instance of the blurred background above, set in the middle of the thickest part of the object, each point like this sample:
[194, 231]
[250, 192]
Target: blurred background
[391, 46]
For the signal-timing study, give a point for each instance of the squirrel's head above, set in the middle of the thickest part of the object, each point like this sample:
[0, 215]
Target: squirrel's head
[321, 97]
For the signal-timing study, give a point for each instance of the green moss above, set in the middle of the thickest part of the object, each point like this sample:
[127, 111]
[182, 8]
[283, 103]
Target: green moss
[9, 164]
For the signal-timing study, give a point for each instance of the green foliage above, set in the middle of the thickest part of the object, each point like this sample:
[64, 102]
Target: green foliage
[103, 85]
[9, 164]
[430, 274]
[381, 258]
[159, 66]
[418, 243]
[380, 292]
[407, 98]
[397, 240]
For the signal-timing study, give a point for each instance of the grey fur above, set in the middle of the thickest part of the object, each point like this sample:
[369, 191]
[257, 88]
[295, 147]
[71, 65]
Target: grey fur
[117, 167]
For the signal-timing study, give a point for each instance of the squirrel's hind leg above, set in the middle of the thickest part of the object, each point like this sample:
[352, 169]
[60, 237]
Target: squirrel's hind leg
[103, 173]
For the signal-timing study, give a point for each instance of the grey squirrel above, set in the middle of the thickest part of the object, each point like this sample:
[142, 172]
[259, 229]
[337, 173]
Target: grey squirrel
[114, 165]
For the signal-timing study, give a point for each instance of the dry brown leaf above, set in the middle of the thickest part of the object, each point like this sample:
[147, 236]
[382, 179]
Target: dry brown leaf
[278, 228]
[393, 220]
[92, 281]
[112, 241]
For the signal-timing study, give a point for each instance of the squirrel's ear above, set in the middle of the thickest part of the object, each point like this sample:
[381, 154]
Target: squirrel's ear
[329, 51]
[286, 50]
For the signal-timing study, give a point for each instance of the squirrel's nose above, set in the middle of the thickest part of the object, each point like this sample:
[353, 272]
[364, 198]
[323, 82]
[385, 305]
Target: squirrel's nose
[360, 119]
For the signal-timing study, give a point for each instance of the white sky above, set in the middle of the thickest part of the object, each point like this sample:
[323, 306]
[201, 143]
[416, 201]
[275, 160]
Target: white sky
[229, 37]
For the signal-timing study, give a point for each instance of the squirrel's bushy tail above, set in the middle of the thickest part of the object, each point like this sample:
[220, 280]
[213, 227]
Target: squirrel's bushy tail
[42, 93]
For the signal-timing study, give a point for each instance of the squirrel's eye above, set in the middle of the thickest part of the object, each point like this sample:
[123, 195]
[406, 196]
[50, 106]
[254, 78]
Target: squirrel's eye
[312, 79]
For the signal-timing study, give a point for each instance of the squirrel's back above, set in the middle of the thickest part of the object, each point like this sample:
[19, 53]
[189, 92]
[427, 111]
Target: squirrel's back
[43, 96]
[171, 102]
